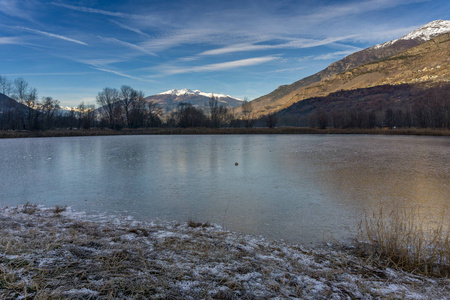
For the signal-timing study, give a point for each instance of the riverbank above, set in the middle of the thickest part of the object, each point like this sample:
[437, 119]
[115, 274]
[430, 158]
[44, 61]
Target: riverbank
[220, 131]
[57, 253]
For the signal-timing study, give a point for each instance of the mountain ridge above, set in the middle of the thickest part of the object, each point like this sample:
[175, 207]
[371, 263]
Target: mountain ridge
[185, 91]
[169, 100]
[279, 98]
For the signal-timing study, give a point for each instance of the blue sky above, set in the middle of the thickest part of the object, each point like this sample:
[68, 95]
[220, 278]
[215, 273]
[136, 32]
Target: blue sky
[71, 50]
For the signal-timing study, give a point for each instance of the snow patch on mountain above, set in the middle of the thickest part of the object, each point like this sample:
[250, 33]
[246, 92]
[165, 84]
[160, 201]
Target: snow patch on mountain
[183, 92]
[424, 33]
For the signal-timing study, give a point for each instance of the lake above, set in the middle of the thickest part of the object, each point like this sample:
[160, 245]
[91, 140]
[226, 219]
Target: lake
[300, 188]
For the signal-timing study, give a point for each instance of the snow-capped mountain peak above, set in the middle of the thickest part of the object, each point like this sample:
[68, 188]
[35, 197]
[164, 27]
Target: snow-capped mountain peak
[424, 33]
[177, 92]
[429, 30]
[182, 92]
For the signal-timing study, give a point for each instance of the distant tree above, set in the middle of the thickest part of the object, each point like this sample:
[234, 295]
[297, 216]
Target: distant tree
[108, 100]
[338, 119]
[213, 108]
[189, 116]
[318, 119]
[407, 118]
[271, 120]
[128, 96]
[247, 113]
[85, 115]
[27, 96]
[5, 86]
[49, 109]
[152, 116]
[225, 116]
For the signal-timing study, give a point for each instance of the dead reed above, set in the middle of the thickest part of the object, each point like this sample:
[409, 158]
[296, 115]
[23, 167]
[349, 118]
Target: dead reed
[406, 239]
[220, 131]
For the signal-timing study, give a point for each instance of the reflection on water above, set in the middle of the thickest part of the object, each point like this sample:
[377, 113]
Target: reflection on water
[297, 187]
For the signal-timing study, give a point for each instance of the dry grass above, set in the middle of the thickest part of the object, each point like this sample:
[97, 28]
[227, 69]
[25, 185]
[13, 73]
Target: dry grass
[220, 131]
[403, 239]
[54, 254]
[195, 224]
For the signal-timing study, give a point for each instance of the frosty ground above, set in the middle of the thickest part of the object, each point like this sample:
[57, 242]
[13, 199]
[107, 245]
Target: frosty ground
[58, 253]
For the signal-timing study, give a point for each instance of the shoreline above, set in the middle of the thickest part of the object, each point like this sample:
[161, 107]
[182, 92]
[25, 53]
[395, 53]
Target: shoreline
[220, 131]
[58, 253]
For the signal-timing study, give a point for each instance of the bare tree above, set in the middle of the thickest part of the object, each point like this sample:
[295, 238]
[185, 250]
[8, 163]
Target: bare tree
[189, 116]
[27, 96]
[5, 89]
[108, 99]
[271, 120]
[49, 108]
[247, 113]
[5, 86]
[128, 96]
[213, 107]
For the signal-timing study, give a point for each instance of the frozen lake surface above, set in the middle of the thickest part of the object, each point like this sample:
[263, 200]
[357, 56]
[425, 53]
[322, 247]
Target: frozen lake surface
[301, 188]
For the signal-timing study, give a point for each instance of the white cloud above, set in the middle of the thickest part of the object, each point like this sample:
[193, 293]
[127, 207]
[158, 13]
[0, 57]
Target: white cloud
[221, 66]
[353, 8]
[294, 44]
[334, 55]
[61, 37]
[129, 45]
[133, 29]
[182, 37]
[287, 70]
[115, 72]
[10, 40]
[94, 11]
[100, 61]
[49, 74]
[18, 9]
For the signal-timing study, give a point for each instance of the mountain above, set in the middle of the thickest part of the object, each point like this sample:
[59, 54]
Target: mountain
[388, 63]
[169, 100]
[7, 103]
[421, 104]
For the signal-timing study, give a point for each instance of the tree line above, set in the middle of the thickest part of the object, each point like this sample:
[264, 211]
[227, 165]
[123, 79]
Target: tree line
[117, 109]
[127, 108]
[400, 106]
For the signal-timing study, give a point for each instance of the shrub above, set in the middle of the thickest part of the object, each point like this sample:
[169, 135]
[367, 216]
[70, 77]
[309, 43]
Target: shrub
[407, 240]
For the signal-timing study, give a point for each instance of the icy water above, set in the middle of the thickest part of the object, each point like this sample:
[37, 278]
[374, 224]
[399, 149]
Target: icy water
[301, 188]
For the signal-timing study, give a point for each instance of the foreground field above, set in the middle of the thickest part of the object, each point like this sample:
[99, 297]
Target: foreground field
[56, 253]
[169, 131]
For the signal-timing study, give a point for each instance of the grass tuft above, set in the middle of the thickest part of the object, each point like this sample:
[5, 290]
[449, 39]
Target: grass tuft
[194, 224]
[59, 209]
[402, 239]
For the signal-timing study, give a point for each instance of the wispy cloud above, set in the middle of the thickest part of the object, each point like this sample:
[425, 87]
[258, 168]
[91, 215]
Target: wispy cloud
[115, 72]
[353, 8]
[220, 66]
[183, 37]
[10, 41]
[103, 65]
[48, 74]
[99, 61]
[18, 9]
[95, 11]
[133, 29]
[287, 70]
[334, 55]
[61, 37]
[249, 29]
[295, 44]
[129, 45]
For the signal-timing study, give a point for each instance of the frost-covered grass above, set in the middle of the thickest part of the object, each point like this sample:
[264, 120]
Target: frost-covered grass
[406, 239]
[56, 253]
